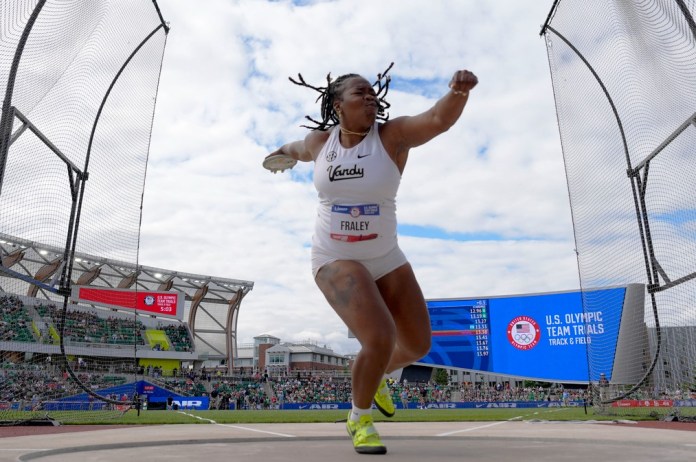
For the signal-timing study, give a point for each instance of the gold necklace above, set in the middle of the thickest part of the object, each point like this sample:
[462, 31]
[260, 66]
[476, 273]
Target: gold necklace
[348, 132]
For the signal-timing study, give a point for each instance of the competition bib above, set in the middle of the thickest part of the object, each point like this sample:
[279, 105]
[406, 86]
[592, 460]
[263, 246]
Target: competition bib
[354, 223]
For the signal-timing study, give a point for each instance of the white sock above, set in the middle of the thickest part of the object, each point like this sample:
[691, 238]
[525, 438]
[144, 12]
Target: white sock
[356, 413]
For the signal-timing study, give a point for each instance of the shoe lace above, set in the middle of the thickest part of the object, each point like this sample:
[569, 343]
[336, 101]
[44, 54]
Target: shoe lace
[366, 430]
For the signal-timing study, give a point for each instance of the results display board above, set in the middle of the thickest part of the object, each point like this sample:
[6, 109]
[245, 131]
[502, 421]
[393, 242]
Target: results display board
[536, 336]
[461, 333]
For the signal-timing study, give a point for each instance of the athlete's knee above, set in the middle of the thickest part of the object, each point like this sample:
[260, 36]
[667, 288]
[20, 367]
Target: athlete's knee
[381, 341]
[416, 348]
[422, 347]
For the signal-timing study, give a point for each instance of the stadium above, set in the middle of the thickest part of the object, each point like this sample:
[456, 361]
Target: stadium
[87, 331]
[187, 354]
[111, 341]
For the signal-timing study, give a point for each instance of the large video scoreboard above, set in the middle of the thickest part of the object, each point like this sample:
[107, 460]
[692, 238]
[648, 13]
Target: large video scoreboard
[538, 336]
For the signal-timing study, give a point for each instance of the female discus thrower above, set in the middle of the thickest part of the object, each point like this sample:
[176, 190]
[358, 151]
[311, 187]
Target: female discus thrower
[359, 156]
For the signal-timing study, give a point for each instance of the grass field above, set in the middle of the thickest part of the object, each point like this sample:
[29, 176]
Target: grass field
[304, 416]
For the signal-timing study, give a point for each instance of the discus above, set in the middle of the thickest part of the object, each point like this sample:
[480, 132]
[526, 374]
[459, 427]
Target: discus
[278, 163]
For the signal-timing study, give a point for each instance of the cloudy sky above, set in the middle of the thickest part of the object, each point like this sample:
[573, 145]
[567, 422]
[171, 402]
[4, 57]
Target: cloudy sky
[483, 209]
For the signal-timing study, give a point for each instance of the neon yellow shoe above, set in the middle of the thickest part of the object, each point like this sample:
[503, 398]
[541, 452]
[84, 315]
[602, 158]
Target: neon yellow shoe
[365, 437]
[383, 400]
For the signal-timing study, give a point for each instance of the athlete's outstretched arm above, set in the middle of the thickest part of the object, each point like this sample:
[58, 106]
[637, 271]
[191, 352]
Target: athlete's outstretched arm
[417, 130]
[305, 150]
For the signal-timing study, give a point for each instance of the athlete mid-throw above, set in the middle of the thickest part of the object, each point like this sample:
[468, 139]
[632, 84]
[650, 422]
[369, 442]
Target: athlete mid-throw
[359, 156]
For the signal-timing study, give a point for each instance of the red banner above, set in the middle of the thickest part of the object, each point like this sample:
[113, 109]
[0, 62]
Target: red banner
[160, 303]
[643, 403]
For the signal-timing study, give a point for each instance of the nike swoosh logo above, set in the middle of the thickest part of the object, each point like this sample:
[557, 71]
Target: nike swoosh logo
[360, 156]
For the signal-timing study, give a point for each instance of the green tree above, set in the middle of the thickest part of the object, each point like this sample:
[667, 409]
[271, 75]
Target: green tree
[441, 377]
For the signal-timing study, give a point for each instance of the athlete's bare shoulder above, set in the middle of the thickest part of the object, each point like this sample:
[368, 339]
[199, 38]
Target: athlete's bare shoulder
[315, 140]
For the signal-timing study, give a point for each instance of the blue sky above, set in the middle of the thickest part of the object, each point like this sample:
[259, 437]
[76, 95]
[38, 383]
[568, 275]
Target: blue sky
[483, 209]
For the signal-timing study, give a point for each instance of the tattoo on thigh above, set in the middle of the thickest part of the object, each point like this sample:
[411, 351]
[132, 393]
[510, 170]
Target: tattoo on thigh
[337, 289]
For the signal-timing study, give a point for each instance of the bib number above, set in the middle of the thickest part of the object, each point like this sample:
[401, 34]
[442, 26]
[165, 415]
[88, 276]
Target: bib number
[355, 223]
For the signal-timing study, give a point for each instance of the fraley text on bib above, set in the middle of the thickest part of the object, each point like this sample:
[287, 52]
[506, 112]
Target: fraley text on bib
[354, 223]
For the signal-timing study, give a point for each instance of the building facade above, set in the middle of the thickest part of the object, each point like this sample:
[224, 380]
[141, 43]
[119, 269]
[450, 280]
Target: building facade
[269, 354]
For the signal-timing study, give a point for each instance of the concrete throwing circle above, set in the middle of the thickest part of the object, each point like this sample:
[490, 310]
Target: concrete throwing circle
[403, 449]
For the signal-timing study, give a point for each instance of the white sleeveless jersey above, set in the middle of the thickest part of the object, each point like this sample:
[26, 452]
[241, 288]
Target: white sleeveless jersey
[356, 217]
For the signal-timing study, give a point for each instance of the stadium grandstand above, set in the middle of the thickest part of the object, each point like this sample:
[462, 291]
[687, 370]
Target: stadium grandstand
[211, 309]
[105, 346]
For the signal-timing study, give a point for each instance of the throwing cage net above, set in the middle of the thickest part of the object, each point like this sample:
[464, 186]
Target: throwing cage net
[78, 80]
[624, 80]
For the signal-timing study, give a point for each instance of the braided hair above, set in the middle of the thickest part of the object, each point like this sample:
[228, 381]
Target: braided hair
[333, 88]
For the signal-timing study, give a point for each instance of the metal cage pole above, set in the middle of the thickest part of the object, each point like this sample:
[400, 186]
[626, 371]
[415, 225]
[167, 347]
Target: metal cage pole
[7, 110]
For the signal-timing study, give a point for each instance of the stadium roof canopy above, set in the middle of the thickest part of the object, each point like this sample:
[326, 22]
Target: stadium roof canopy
[212, 303]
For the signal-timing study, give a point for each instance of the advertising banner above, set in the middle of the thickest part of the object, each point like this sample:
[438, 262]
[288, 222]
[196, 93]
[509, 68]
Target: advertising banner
[159, 303]
[148, 392]
[443, 405]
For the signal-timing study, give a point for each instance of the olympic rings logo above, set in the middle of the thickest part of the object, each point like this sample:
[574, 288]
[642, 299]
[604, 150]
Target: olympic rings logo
[526, 338]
